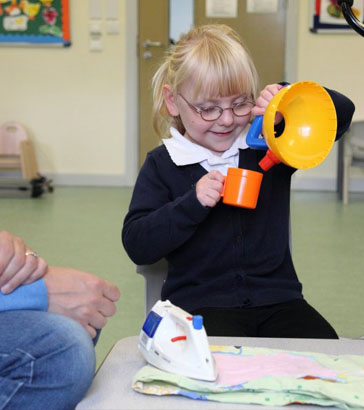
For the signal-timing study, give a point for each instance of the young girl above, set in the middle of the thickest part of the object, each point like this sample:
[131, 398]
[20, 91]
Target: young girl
[232, 265]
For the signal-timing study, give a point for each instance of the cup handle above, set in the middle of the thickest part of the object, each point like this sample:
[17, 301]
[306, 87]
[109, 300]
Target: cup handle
[252, 139]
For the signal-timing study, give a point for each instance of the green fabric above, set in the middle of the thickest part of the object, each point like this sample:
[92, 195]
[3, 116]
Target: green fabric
[345, 390]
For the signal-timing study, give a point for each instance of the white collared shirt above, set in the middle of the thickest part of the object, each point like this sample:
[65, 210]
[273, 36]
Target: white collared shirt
[185, 152]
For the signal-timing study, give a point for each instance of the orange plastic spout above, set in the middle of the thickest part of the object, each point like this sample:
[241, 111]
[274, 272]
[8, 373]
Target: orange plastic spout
[268, 161]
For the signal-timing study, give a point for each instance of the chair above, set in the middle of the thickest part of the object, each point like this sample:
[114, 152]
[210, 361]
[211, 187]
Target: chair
[156, 274]
[17, 151]
[353, 157]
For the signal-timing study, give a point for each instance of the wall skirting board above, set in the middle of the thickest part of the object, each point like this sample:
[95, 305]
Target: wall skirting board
[325, 184]
[117, 180]
[298, 184]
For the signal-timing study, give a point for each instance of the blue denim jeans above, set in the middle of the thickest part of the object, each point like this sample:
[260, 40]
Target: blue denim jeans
[47, 361]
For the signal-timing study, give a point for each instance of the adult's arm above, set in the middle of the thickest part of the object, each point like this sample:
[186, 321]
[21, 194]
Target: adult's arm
[26, 297]
[79, 295]
[18, 264]
[16, 267]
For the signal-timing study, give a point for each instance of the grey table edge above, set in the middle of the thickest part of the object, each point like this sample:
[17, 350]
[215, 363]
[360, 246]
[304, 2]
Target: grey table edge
[111, 387]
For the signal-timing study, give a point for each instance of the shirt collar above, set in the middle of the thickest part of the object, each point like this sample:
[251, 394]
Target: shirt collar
[185, 152]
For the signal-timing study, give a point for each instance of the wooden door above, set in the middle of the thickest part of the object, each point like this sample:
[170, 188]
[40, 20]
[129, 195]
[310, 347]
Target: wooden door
[262, 33]
[153, 36]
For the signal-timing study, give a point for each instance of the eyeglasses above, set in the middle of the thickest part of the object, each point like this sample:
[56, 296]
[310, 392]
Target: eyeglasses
[214, 113]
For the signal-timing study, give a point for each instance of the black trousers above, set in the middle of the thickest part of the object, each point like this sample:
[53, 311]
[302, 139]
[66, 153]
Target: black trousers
[293, 319]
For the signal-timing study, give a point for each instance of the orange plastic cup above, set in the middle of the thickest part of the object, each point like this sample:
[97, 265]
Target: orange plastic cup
[242, 188]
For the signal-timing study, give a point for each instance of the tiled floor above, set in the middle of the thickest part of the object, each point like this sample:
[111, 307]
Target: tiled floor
[80, 227]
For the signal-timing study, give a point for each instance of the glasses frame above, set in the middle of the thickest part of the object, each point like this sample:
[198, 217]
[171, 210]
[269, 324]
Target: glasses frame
[200, 111]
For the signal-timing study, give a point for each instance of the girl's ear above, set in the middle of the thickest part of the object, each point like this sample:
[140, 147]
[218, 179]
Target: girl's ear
[170, 100]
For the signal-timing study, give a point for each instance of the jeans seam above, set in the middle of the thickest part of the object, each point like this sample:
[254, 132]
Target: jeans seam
[11, 396]
[31, 364]
[30, 378]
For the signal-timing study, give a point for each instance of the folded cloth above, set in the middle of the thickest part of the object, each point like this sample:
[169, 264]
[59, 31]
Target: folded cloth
[272, 377]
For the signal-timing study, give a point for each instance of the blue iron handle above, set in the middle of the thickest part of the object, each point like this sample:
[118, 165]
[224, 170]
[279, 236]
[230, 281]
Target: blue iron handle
[252, 139]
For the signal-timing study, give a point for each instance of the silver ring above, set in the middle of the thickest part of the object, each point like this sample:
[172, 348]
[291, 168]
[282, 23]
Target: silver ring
[31, 253]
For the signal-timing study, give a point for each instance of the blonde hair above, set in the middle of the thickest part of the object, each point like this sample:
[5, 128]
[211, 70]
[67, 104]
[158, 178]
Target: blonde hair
[217, 60]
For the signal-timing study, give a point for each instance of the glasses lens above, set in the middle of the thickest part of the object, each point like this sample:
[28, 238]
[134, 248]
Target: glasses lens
[242, 109]
[211, 114]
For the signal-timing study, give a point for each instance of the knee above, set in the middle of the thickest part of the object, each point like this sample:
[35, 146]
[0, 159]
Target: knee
[51, 356]
[76, 353]
[68, 358]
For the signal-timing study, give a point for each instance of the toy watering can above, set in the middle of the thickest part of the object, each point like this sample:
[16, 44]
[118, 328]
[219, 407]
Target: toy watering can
[309, 127]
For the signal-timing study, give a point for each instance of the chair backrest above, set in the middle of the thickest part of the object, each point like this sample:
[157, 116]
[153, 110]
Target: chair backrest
[11, 135]
[156, 274]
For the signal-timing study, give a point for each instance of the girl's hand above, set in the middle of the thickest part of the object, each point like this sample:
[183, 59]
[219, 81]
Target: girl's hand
[209, 188]
[264, 98]
[18, 264]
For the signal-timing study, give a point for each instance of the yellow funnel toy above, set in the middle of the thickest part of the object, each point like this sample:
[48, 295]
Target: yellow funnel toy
[309, 127]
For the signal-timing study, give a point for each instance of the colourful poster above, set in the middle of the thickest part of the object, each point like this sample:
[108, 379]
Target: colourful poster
[37, 22]
[329, 17]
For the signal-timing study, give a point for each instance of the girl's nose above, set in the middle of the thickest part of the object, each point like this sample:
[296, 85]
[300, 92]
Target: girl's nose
[227, 117]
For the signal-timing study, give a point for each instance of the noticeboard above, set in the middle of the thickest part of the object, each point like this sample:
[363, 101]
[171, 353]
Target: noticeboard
[328, 17]
[40, 22]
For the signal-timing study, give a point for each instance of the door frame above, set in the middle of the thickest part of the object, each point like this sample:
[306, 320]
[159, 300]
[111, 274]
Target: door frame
[131, 78]
[131, 129]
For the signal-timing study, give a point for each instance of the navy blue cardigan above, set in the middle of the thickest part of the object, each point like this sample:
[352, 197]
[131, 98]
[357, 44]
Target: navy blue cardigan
[223, 256]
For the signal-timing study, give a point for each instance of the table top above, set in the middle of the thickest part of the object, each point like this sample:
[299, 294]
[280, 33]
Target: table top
[111, 388]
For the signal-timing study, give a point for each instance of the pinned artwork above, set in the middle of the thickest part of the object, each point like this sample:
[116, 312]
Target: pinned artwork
[40, 22]
[328, 17]
[222, 8]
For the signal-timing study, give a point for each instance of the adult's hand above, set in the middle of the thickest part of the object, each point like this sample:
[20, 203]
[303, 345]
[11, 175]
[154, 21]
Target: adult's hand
[81, 296]
[18, 264]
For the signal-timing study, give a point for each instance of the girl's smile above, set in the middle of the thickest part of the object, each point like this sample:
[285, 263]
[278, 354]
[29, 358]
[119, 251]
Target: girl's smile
[223, 134]
[216, 135]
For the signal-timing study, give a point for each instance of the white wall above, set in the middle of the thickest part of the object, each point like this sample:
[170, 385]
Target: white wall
[72, 101]
[335, 61]
[80, 107]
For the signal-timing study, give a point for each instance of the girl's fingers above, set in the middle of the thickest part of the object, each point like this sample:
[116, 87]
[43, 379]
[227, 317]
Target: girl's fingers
[264, 98]
[215, 175]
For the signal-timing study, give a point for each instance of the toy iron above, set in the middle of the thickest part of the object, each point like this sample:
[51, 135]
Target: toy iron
[175, 341]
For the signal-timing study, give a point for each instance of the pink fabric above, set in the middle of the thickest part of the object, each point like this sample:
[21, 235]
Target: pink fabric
[234, 370]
